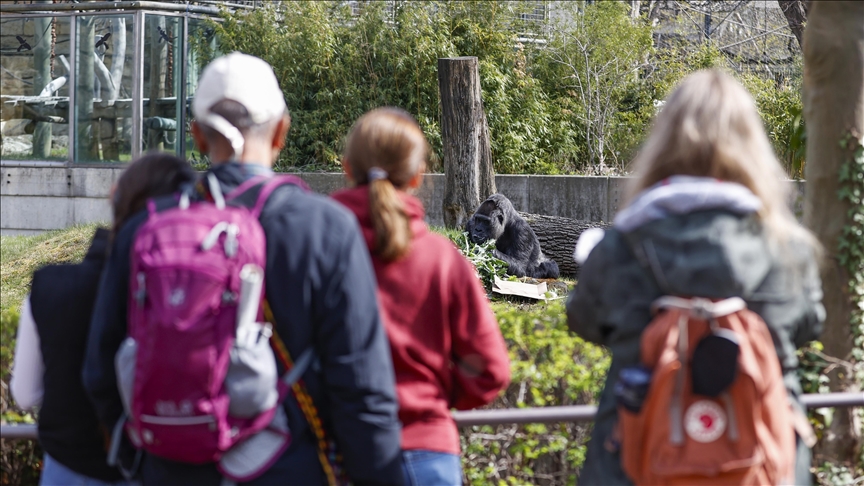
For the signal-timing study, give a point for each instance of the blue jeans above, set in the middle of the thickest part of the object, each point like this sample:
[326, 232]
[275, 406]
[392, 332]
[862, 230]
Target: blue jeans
[429, 468]
[56, 474]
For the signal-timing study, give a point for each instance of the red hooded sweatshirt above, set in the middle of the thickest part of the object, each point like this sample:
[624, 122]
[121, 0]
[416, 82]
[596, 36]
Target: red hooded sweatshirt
[447, 349]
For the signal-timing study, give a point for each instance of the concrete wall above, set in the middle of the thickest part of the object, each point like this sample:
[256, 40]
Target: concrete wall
[36, 199]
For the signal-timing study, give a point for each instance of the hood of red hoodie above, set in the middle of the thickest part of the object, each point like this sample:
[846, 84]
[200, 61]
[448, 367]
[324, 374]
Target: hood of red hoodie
[357, 200]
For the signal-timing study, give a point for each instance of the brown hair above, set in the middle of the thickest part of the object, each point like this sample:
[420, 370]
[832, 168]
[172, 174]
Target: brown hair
[710, 127]
[391, 140]
[152, 175]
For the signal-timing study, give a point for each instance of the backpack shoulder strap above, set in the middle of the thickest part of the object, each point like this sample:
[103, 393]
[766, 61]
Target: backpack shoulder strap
[645, 255]
[330, 460]
[267, 186]
[271, 185]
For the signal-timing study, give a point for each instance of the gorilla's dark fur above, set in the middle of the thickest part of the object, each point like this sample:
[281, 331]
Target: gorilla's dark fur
[515, 241]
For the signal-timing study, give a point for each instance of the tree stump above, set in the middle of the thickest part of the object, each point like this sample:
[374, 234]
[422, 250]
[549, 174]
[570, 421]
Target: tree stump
[558, 238]
[469, 177]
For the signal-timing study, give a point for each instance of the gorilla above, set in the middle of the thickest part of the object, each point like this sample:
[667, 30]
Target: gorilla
[515, 241]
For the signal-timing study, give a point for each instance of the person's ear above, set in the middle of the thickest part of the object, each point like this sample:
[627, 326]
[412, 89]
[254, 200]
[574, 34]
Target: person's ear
[346, 168]
[282, 127]
[200, 139]
[415, 181]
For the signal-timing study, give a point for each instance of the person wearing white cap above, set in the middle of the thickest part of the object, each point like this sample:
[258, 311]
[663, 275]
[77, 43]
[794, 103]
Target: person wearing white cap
[238, 97]
[319, 284]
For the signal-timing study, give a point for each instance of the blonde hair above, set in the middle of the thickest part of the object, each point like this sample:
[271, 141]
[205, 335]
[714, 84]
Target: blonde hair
[710, 127]
[391, 140]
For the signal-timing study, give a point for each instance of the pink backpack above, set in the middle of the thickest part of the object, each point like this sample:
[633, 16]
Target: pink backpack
[191, 391]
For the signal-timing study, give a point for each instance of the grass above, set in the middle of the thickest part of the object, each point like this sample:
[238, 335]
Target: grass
[20, 461]
[21, 255]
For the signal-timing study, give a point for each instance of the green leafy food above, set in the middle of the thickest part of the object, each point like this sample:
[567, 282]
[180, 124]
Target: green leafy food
[483, 258]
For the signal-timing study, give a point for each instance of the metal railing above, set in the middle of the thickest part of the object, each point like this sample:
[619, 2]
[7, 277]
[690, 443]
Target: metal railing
[572, 413]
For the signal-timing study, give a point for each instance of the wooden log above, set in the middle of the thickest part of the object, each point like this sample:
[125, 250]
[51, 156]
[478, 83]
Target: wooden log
[558, 238]
[465, 135]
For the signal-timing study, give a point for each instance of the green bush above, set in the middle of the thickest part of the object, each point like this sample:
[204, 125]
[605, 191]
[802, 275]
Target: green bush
[20, 461]
[571, 95]
[549, 366]
[781, 110]
[334, 66]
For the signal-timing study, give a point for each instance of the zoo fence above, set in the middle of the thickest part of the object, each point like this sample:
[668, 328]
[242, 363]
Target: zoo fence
[571, 413]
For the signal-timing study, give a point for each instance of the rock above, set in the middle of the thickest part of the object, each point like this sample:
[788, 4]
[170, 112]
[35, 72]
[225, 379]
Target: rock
[18, 145]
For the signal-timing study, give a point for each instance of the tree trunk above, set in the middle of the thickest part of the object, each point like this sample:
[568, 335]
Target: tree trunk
[558, 238]
[111, 139]
[41, 78]
[796, 14]
[833, 109]
[158, 64]
[465, 134]
[87, 143]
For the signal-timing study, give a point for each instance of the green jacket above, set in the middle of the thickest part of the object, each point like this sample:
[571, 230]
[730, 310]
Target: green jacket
[710, 253]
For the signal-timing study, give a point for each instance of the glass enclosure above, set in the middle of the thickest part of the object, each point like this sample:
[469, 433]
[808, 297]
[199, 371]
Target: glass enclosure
[103, 88]
[34, 84]
[99, 86]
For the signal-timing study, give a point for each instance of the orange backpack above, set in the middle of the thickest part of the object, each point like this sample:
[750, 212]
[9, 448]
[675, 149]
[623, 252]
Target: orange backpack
[745, 435]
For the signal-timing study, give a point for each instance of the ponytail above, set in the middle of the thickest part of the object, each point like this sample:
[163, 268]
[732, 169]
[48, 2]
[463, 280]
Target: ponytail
[386, 150]
[391, 225]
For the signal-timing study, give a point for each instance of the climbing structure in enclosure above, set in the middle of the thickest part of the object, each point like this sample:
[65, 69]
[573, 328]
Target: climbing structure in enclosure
[81, 85]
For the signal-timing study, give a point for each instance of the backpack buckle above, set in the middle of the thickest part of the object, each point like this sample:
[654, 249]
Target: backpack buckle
[702, 308]
[230, 245]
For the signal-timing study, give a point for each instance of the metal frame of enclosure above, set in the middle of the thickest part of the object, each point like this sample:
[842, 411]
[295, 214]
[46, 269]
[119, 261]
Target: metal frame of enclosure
[110, 112]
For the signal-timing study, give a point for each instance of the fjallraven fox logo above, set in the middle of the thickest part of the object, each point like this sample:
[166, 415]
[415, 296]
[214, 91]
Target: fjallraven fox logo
[705, 421]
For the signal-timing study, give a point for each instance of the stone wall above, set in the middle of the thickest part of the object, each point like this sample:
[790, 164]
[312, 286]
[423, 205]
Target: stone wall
[36, 199]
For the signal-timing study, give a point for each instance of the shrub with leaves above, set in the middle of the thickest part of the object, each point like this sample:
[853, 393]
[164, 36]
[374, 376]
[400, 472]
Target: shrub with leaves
[570, 94]
[549, 366]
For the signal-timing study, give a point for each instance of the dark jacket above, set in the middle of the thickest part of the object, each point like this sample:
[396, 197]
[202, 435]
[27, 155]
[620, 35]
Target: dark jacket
[321, 288]
[437, 317]
[61, 301]
[711, 253]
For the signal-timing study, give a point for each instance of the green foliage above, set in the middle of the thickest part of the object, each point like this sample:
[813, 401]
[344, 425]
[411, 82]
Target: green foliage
[20, 461]
[850, 249]
[814, 364]
[850, 254]
[334, 66]
[595, 70]
[550, 366]
[570, 96]
[834, 475]
[781, 111]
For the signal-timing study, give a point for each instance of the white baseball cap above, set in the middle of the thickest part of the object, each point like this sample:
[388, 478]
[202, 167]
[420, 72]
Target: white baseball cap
[245, 79]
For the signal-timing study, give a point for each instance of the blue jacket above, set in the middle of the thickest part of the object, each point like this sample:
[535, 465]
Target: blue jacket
[321, 289]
